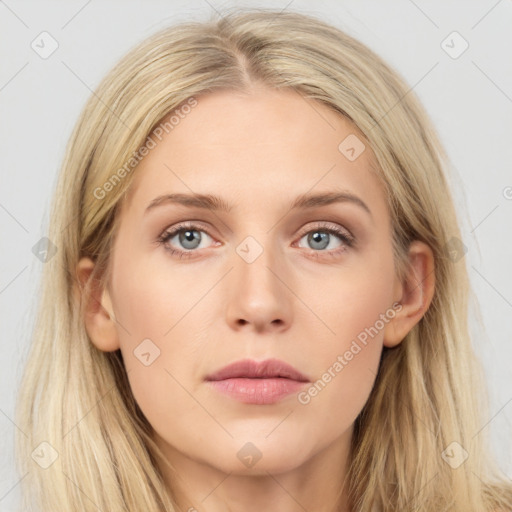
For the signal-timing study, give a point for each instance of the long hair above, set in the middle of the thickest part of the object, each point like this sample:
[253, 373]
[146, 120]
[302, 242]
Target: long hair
[426, 409]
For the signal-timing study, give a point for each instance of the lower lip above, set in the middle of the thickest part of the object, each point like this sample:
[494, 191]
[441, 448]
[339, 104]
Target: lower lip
[257, 391]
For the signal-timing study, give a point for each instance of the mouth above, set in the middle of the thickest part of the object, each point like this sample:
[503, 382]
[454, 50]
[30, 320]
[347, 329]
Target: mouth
[259, 383]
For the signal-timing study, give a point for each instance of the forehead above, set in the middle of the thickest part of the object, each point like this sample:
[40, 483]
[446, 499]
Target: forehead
[266, 143]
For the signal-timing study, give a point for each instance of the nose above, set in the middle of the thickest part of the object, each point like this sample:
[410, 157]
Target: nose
[259, 296]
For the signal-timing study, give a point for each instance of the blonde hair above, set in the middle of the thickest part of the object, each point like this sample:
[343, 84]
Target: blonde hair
[428, 391]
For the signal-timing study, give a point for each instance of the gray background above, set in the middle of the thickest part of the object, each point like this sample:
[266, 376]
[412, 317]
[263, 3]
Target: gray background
[469, 99]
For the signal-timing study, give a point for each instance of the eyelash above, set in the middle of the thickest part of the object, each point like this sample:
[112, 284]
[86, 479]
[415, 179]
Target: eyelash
[347, 239]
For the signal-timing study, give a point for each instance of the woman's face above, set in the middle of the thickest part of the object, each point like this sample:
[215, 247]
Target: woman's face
[253, 277]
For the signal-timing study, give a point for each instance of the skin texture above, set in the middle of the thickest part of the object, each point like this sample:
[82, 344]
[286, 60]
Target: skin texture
[295, 302]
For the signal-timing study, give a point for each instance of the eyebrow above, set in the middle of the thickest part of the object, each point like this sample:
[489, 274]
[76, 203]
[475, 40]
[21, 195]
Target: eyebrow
[216, 203]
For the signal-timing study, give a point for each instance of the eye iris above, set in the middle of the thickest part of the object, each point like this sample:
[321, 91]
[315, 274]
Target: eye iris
[319, 237]
[189, 236]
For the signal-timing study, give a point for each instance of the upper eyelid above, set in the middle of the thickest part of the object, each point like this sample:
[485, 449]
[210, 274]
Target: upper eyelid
[326, 225]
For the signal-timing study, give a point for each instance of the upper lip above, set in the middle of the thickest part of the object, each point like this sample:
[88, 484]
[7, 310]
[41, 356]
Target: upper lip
[249, 368]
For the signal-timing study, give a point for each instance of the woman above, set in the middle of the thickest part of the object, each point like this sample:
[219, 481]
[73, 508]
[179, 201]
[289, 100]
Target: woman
[258, 299]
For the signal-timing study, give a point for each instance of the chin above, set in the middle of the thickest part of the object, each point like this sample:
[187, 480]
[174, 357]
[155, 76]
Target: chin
[258, 457]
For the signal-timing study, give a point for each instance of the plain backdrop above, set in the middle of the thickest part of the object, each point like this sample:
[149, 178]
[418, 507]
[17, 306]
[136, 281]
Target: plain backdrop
[466, 91]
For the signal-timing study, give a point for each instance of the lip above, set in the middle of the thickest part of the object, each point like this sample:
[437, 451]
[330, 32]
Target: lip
[264, 382]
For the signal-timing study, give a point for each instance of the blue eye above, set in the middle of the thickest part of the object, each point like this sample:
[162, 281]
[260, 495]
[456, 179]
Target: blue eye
[321, 238]
[190, 236]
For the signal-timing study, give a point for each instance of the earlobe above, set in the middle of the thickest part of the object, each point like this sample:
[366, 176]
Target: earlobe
[98, 315]
[415, 293]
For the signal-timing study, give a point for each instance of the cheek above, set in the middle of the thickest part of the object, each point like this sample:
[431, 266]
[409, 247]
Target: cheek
[151, 298]
[357, 307]
[352, 299]
[157, 317]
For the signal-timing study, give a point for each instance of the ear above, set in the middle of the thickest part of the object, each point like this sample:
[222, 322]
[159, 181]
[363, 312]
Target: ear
[414, 293]
[99, 318]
